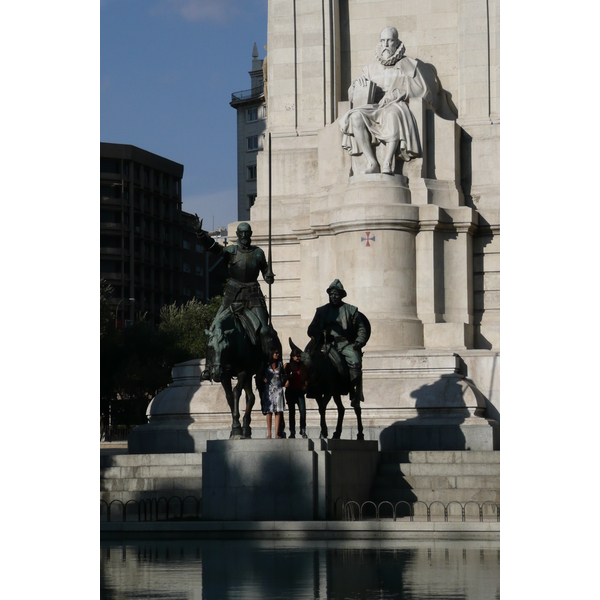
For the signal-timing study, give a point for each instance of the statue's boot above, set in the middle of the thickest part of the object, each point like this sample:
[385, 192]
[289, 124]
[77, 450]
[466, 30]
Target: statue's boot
[356, 393]
[386, 168]
[372, 168]
[205, 375]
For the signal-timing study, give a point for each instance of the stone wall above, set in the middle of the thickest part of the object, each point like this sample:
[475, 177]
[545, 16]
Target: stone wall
[431, 279]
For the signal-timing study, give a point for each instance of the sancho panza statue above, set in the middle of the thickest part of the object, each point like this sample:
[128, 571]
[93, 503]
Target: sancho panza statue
[242, 291]
[380, 97]
[346, 330]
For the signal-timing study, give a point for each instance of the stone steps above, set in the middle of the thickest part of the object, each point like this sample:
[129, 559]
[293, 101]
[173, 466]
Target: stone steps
[126, 477]
[444, 476]
[144, 484]
[438, 457]
[139, 460]
[445, 469]
[437, 482]
[427, 476]
[462, 495]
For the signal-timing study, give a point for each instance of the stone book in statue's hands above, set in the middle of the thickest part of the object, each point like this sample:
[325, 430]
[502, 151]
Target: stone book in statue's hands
[363, 94]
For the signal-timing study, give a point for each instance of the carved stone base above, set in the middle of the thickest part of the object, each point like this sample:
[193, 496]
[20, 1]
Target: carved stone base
[284, 480]
[415, 400]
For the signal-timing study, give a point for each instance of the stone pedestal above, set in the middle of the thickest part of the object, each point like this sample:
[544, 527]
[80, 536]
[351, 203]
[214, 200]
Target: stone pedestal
[414, 400]
[284, 480]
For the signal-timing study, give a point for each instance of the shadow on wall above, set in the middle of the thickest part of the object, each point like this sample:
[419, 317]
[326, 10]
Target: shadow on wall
[491, 412]
[441, 409]
[258, 485]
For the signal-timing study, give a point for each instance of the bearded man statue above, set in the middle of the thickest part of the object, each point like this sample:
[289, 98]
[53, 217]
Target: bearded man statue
[385, 118]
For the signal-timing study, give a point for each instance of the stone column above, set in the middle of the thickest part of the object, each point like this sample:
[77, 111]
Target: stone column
[456, 330]
[303, 65]
[429, 289]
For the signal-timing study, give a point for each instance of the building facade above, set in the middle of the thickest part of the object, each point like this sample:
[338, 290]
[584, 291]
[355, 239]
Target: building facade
[148, 249]
[251, 123]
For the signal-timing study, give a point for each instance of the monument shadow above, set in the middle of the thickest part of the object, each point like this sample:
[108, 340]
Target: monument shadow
[441, 410]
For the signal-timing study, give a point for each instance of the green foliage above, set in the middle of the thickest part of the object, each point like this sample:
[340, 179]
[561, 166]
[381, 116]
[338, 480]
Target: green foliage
[186, 325]
[136, 362]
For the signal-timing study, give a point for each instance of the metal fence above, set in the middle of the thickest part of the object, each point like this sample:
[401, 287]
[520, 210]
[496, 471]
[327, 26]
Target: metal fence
[247, 94]
[173, 508]
[421, 511]
[189, 508]
[115, 433]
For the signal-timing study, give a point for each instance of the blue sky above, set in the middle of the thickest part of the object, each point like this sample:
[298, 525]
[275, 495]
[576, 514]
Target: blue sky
[167, 71]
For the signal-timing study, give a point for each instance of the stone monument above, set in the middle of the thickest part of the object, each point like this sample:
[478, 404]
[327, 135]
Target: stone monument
[384, 175]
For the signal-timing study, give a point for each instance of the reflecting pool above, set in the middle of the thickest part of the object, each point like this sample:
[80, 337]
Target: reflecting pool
[266, 570]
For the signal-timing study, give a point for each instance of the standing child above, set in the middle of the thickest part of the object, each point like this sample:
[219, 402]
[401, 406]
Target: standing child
[295, 389]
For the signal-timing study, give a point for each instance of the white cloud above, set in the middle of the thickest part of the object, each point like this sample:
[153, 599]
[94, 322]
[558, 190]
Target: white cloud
[201, 10]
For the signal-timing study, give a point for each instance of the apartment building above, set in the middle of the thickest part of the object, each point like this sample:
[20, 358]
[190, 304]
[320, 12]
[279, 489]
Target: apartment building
[148, 249]
[251, 124]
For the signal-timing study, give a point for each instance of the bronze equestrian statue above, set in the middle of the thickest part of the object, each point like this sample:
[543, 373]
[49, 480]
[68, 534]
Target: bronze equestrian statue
[333, 357]
[240, 335]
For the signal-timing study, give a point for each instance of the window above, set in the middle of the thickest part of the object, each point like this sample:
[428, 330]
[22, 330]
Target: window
[110, 241]
[199, 248]
[199, 271]
[186, 245]
[110, 266]
[186, 291]
[186, 267]
[110, 216]
[253, 142]
[252, 114]
[109, 165]
[110, 191]
[263, 110]
[251, 172]
[199, 294]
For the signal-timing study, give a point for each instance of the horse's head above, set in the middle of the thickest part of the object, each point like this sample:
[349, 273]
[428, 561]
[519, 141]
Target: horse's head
[216, 352]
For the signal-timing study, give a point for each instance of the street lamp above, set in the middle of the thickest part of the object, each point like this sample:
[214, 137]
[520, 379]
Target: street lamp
[117, 311]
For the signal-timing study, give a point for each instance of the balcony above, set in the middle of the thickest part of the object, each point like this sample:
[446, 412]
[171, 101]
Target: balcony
[254, 92]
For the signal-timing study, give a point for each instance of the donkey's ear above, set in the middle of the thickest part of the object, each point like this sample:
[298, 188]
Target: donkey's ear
[293, 346]
[207, 332]
[229, 332]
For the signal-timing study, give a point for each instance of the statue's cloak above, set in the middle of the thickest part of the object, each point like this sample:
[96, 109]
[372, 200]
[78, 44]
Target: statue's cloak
[389, 118]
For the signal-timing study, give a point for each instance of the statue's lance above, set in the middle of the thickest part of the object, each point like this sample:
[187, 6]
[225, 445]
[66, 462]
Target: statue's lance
[270, 267]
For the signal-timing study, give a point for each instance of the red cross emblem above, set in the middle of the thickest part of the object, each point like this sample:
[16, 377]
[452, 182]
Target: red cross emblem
[368, 238]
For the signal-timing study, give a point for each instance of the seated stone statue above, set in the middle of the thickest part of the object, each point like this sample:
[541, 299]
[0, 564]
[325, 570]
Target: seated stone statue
[386, 118]
[242, 293]
[346, 330]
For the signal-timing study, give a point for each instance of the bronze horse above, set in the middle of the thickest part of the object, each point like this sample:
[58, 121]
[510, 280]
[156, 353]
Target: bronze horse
[231, 354]
[326, 382]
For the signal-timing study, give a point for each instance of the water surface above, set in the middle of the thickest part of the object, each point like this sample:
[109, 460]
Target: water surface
[269, 570]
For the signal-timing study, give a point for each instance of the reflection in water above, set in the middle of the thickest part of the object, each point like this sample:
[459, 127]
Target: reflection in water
[228, 569]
